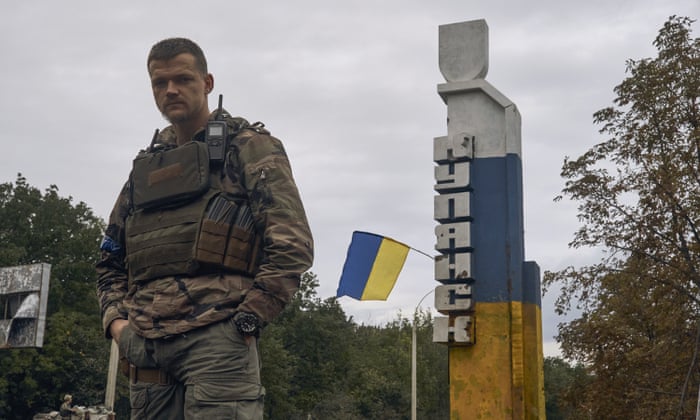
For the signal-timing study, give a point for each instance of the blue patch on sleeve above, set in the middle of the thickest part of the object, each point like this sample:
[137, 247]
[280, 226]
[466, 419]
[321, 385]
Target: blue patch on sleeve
[110, 245]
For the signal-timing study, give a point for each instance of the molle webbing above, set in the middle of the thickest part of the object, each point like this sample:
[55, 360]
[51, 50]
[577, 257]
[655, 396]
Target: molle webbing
[161, 243]
[211, 232]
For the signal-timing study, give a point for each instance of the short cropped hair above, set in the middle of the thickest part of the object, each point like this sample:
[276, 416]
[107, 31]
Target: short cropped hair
[172, 47]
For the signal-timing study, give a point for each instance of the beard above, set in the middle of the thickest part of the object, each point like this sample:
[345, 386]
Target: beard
[174, 120]
[176, 117]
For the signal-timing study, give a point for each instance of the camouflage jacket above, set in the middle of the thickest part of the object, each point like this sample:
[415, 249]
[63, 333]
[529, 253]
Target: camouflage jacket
[257, 168]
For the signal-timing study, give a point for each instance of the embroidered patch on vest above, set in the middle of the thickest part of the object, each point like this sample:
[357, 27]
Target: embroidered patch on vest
[164, 174]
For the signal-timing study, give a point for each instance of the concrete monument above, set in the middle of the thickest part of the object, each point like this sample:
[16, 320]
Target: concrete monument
[491, 296]
[24, 294]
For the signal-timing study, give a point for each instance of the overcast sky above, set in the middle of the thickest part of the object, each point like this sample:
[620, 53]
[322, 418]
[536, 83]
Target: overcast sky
[350, 88]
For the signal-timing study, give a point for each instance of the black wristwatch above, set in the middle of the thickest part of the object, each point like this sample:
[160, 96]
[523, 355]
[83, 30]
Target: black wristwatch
[247, 323]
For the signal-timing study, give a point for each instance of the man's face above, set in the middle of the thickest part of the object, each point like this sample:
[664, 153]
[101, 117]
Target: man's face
[180, 90]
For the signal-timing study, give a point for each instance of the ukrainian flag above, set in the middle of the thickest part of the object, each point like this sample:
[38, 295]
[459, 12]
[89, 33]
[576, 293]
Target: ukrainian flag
[372, 266]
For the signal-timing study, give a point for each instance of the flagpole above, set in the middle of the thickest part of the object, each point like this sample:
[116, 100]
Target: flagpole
[421, 252]
[413, 355]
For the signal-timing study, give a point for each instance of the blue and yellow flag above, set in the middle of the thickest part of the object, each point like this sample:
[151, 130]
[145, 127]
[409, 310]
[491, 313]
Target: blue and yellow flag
[371, 267]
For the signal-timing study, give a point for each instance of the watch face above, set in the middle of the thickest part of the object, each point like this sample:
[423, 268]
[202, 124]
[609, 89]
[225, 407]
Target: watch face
[247, 324]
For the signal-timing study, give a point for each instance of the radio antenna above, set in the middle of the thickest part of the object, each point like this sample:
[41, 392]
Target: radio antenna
[220, 110]
[153, 140]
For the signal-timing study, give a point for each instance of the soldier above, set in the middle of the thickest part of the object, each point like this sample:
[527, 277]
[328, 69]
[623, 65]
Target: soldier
[204, 247]
[67, 408]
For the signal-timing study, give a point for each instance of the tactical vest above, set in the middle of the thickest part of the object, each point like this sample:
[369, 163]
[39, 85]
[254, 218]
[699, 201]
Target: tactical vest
[182, 222]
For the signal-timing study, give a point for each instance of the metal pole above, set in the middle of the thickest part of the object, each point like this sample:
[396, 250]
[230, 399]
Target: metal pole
[413, 371]
[111, 388]
[414, 405]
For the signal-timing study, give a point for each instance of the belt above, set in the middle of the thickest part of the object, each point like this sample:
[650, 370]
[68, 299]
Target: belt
[152, 376]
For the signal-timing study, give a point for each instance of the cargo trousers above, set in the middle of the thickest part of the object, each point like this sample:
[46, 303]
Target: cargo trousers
[207, 373]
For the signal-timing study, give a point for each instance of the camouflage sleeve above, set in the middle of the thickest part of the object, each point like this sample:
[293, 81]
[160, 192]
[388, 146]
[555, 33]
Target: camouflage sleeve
[279, 213]
[112, 278]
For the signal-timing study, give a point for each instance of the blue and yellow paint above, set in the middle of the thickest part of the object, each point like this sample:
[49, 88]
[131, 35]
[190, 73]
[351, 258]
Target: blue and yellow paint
[500, 376]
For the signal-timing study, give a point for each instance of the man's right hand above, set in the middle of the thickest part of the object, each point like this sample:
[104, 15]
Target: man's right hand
[116, 328]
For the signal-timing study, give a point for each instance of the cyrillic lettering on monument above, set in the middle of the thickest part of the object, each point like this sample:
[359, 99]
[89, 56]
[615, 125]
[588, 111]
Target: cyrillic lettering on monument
[453, 267]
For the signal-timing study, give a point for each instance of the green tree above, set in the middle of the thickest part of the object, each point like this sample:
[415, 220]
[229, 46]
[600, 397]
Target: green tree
[308, 347]
[432, 374]
[382, 380]
[563, 386]
[319, 364]
[44, 227]
[639, 202]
